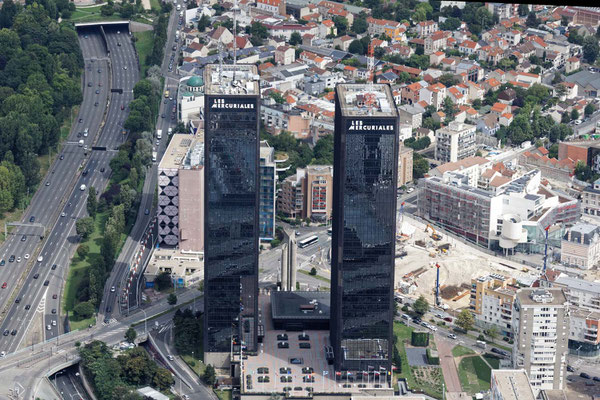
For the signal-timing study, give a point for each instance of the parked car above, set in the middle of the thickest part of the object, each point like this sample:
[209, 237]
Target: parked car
[584, 375]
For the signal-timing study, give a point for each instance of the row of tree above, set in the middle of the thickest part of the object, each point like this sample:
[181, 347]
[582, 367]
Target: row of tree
[117, 377]
[40, 69]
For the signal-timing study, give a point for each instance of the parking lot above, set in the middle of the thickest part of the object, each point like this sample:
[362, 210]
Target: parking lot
[291, 368]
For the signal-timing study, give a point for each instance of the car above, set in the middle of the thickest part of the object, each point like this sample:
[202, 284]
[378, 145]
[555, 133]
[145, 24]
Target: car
[48, 327]
[11, 258]
[18, 300]
[26, 256]
[410, 190]
[97, 91]
[303, 336]
[282, 336]
[146, 211]
[32, 219]
[112, 289]
[6, 332]
[53, 267]
[584, 375]
[2, 263]
[577, 122]
[53, 311]
[48, 183]
[448, 319]
[162, 115]
[63, 214]
[85, 36]
[125, 67]
[23, 238]
[36, 276]
[96, 104]
[40, 259]
[4, 285]
[80, 120]
[108, 309]
[28, 306]
[295, 361]
[570, 368]
[452, 336]
[54, 296]
[174, 47]
[46, 283]
[170, 357]
[99, 70]
[102, 169]
[596, 378]
[84, 173]
[122, 107]
[304, 345]
[13, 332]
[119, 44]
[62, 157]
[106, 320]
[100, 84]
[283, 345]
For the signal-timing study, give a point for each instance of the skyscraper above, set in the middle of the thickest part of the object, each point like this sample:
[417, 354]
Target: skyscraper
[364, 224]
[231, 206]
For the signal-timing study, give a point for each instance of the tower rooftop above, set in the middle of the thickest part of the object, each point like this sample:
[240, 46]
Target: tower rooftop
[368, 100]
[229, 79]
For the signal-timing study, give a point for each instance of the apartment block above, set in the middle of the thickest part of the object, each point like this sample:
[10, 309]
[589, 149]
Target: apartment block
[590, 199]
[307, 194]
[181, 192]
[411, 115]
[405, 165]
[268, 182]
[492, 299]
[541, 323]
[455, 142]
[580, 246]
[510, 384]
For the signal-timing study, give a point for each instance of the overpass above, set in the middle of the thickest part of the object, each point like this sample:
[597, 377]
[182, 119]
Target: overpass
[28, 367]
[100, 23]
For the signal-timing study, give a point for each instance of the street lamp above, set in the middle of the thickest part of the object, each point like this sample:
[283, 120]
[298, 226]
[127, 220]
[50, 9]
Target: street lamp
[145, 321]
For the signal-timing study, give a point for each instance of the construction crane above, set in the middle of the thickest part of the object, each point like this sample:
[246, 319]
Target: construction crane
[546, 249]
[437, 285]
[434, 234]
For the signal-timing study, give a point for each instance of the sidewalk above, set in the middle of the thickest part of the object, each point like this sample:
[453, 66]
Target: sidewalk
[447, 363]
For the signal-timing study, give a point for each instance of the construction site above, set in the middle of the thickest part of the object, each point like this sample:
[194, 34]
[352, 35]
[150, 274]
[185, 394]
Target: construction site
[420, 249]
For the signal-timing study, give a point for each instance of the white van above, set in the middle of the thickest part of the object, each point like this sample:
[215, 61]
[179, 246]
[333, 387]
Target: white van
[406, 317]
[481, 344]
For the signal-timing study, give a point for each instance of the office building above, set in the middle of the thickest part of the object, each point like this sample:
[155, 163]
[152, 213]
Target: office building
[455, 142]
[232, 185]
[541, 323]
[580, 246]
[510, 384]
[364, 227]
[180, 211]
[307, 194]
[268, 181]
[405, 165]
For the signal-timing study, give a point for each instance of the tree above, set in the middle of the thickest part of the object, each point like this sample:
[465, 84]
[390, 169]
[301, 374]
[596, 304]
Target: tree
[259, 33]
[465, 320]
[591, 49]
[589, 109]
[163, 281]
[565, 119]
[84, 227]
[313, 271]
[84, 310]
[92, 202]
[295, 38]
[172, 299]
[130, 334]
[532, 20]
[83, 250]
[420, 166]
[209, 375]
[421, 305]
[574, 115]
[553, 151]
[356, 47]
[341, 23]
[492, 332]
[323, 151]
[163, 379]
[557, 78]
[203, 23]
[360, 24]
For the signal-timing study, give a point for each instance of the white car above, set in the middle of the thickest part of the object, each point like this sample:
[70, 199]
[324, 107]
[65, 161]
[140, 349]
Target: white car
[53, 323]
[577, 122]
[410, 190]
[48, 327]
[3, 354]
[170, 357]
[26, 256]
[452, 336]
[82, 188]
[40, 259]
[112, 289]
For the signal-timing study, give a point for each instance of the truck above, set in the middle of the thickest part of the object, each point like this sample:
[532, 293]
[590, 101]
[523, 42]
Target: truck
[154, 156]
[159, 133]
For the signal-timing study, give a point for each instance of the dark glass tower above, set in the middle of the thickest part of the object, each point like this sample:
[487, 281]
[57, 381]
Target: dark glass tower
[231, 209]
[364, 227]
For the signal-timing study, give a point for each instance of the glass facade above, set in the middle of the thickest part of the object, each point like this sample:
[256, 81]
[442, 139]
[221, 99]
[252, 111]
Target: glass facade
[267, 200]
[231, 221]
[363, 246]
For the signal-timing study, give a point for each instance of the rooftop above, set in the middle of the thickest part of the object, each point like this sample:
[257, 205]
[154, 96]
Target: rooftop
[300, 305]
[228, 79]
[577, 284]
[541, 297]
[513, 384]
[373, 100]
[184, 152]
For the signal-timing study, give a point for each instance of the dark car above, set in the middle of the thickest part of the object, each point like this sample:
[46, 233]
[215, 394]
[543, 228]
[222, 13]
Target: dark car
[305, 345]
[596, 378]
[146, 212]
[99, 70]
[6, 332]
[296, 361]
[28, 306]
[97, 91]
[2, 262]
[303, 336]
[106, 320]
[23, 238]
[14, 332]
[84, 173]
[282, 336]
[36, 276]
[584, 375]
[570, 369]
[80, 120]
[62, 157]
[102, 169]
[11, 258]
[53, 267]
[108, 309]
[54, 311]
[283, 345]
[18, 300]
[46, 283]
[32, 219]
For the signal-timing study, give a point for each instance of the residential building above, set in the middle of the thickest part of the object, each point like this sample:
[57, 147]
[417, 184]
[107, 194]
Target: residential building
[584, 332]
[307, 194]
[455, 142]
[392, 29]
[580, 292]
[290, 199]
[185, 267]
[364, 228]
[580, 246]
[590, 200]
[436, 42]
[541, 322]
[491, 302]
[470, 167]
[232, 187]
[411, 115]
[275, 7]
[190, 99]
[405, 165]
[285, 55]
[180, 215]
[426, 28]
[510, 384]
[268, 182]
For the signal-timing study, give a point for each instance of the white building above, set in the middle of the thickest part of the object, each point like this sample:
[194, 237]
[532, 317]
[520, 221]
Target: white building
[510, 384]
[185, 267]
[580, 246]
[541, 323]
[455, 142]
[190, 98]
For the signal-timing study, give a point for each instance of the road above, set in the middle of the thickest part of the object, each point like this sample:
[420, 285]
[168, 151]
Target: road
[68, 383]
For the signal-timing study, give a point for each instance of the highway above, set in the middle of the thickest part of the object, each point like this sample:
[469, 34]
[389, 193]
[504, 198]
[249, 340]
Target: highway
[68, 383]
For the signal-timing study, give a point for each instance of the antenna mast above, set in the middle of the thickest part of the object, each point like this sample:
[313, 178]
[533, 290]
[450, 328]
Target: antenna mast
[235, 10]
[371, 64]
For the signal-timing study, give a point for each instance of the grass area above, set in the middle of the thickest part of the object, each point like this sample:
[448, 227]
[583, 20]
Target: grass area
[319, 277]
[459, 350]
[84, 323]
[194, 363]
[92, 14]
[223, 394]
[426, 379]
[143, 45]
[155, 5]
[474, 374]
[79, 268]
[492, 360]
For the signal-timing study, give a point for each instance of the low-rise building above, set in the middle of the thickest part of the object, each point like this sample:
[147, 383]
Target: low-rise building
[190, 99]
[185, 267]
[411, 115]
[510, 384]
[285, 55]
[590, 200]
[580, 246]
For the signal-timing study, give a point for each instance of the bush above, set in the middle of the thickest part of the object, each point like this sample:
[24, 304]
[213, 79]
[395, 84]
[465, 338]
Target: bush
[84, 310]
[419, 339]
[432, 359]
[275, 243]
[405, 308]
[83, 250]
[481, 337]
[313, 271]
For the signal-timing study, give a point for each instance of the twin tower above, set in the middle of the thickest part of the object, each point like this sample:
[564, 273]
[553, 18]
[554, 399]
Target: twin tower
[364, 218]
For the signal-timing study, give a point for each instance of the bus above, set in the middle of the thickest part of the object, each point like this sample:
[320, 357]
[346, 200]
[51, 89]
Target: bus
[166, 94]
[308, 241]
